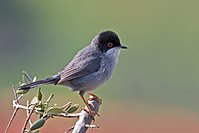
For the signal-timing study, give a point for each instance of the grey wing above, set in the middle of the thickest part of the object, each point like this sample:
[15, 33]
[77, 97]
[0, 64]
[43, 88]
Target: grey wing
[83, 68]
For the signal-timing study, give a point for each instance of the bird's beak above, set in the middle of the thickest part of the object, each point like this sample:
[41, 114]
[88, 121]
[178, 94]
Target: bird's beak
[123, 47]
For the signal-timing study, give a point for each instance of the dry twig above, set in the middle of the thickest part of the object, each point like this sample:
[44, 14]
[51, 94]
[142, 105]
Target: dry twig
[27, 119]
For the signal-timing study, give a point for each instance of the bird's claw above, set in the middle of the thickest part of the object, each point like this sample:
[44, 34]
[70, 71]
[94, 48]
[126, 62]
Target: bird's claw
[93, 96]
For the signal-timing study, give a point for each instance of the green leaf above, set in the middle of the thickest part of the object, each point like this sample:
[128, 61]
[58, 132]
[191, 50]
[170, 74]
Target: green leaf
[34, 79]
[26, 77]
[54, 110]
[39, 94]
[67, 106]
[41, 107]
[37, 131]
[37, 124]
[73, 108]
[40, 113]
[34, 100]
[21, 91]
[50, 98]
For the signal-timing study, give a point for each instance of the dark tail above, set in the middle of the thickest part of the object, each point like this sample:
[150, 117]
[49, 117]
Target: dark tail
[51, 80]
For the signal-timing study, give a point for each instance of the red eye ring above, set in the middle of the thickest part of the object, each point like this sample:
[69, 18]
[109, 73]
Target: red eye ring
[110, 45]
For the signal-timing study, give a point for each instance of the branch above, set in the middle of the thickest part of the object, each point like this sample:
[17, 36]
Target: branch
[28, 113]
[11, 119]
[86, 118]
[27, 119]
[45, 110]
[81, 126]
[64, 115]
[15, 111]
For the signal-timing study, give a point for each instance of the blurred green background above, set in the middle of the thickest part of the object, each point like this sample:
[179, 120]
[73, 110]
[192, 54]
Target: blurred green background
[156, 80]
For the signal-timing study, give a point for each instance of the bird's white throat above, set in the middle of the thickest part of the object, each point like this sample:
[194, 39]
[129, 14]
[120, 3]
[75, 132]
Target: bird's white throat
[113, 54]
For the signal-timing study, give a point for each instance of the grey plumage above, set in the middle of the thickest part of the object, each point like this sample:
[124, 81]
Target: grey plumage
[90, 67]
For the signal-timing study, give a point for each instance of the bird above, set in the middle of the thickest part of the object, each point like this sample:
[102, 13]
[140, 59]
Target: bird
[90, 68]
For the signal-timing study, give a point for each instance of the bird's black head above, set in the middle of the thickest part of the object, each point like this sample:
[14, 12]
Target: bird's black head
[108, 40]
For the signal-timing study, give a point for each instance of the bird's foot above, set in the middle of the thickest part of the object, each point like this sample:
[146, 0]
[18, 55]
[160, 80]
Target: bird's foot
[93, 96]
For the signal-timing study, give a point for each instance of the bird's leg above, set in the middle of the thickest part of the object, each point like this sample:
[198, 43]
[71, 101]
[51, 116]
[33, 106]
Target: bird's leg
[81, 93]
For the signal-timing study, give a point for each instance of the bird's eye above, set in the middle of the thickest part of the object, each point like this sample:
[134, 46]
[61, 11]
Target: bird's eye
[110, 45]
